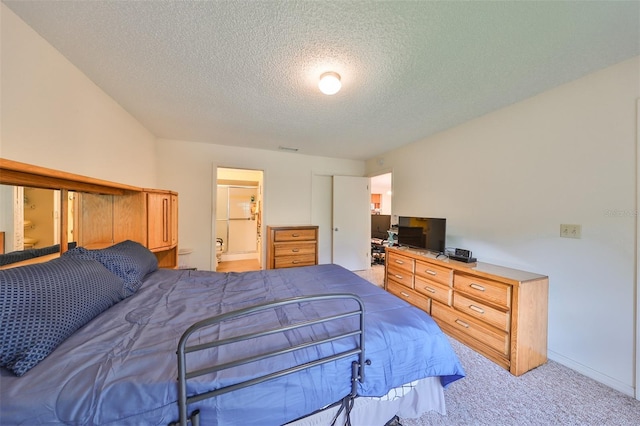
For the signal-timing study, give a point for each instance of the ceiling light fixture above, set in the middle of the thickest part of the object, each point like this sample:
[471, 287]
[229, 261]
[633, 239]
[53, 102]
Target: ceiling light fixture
[330, 83]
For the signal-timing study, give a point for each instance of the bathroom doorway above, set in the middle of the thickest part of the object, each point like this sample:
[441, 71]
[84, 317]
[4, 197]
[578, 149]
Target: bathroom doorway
[238, 219]
[36, 218]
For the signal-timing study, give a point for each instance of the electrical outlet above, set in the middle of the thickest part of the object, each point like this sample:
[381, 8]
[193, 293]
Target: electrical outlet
[570, 231]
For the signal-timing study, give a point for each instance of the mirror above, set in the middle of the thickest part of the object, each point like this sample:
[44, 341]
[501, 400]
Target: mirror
[30, 217]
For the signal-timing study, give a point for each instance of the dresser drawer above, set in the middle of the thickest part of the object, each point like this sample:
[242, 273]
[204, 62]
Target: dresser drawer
[434, 290]
[481, 311]
[294, 235]
[293, 261]
[434, 272]
[483, 289]
[294, 249]
[482, 332]
[400, 262]
[399, 275]
[410, 296]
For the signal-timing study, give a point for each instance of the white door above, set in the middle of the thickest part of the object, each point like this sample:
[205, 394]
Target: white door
[351, 222]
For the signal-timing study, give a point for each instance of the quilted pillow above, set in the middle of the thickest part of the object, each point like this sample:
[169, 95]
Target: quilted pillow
[129, 260]
[43, 304]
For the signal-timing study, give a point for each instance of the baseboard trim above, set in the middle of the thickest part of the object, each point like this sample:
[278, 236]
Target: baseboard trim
[228, 257]
[591, 373]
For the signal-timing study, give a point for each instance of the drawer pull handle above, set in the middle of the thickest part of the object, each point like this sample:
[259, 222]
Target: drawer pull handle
[476, 287]
[295, 261]
[295, 235]
[400, 277]
[477, 309]
[404, 294]
[430, 290]
[430, 272]
[462, 323]
[399, 262]
[295, 250]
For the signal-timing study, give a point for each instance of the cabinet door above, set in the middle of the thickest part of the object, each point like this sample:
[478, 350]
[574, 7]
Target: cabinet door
[94, 220]
[174, 220]
[129, 218]
[158, 220]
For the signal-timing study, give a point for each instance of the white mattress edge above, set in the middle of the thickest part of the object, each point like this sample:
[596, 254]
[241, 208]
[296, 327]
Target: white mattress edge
[408, 401]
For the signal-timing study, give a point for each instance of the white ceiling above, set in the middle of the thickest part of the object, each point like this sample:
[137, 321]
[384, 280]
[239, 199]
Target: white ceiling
[245, 73]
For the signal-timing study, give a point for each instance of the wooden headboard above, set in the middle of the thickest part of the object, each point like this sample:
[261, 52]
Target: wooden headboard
[1, 242]
[108, 212]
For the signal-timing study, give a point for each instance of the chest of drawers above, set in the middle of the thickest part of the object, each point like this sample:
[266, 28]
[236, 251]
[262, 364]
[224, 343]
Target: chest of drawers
[499, 312]
[291, 246]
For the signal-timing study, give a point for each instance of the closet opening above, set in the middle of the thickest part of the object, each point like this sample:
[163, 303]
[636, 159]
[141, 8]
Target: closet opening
[238, 219]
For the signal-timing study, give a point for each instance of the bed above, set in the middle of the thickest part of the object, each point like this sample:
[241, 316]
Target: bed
[117, 364]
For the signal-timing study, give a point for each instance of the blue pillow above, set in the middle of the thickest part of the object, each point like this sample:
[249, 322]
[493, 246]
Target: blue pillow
[43, 304]
[129, 260]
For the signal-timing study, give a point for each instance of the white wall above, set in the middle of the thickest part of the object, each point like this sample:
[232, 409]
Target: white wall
[189, 167]
[53, 116]
[507, 180]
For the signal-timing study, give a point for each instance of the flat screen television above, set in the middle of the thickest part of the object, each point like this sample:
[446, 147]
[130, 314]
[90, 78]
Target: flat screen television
[380, 224]
[422, 233]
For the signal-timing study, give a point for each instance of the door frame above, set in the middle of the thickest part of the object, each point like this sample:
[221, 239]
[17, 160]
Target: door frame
[637, 257]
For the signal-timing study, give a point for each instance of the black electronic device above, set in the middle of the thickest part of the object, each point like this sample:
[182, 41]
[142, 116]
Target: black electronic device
[380, 224]
[422, 233]
[462, 255]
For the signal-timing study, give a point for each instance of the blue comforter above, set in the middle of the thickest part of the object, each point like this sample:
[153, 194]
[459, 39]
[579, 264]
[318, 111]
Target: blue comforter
[121, 367]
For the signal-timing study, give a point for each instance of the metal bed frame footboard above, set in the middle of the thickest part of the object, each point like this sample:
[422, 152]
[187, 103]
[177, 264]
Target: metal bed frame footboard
[357, 367]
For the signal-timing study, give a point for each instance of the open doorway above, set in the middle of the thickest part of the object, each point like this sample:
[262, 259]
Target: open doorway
[381, 194]
[238, 219]
[381, 223]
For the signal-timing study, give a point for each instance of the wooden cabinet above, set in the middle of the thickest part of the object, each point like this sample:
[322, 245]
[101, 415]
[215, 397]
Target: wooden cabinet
[162, 226]
[162, 219]
[291, 246]
[500, 312]
[102, 220]
[376, 200]
[149, 217]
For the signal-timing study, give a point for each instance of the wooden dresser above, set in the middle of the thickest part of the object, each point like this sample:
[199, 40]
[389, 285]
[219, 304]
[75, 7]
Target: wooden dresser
[291, 246]
[499, 312]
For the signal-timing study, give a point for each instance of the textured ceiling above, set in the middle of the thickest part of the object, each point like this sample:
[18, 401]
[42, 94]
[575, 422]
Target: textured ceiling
[245, 73]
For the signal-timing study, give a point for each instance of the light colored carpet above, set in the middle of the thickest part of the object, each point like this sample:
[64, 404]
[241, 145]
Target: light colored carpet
[374, 275]
[551, 394]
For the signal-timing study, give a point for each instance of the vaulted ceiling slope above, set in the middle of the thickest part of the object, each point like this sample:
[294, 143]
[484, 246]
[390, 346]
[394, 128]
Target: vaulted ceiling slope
[245, 73]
